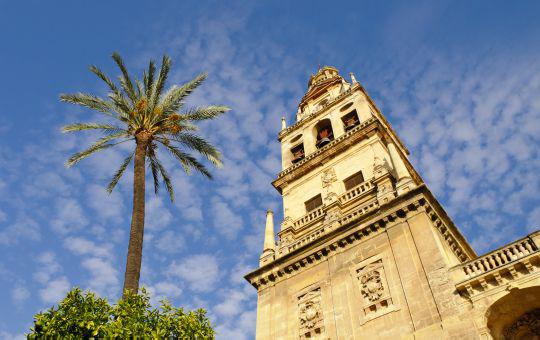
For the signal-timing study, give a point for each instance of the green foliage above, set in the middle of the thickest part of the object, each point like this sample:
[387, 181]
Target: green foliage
[85, 315]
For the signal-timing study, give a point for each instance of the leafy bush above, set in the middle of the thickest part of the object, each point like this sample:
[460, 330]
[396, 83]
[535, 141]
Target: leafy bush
[85, 315]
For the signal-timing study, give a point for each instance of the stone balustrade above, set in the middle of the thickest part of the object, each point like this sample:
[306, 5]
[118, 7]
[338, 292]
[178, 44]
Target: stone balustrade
[498, 258]
[362, 210]
[308, 218]
[306, 239]
[357, 192]
[496, 267]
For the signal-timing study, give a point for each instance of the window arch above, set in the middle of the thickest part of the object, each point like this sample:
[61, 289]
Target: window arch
[323, 132]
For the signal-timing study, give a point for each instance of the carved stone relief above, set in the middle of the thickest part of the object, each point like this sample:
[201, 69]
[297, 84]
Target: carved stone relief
[310, 314]
[328, 179]
[373, 286]
[332, 218]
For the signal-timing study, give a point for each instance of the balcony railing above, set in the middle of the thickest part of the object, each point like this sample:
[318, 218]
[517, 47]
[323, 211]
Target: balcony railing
[309, 217]
[497, 258]
[357, 191]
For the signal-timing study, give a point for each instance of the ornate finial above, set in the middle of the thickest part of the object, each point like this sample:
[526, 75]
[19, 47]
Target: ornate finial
[353, 78]
[283, 123]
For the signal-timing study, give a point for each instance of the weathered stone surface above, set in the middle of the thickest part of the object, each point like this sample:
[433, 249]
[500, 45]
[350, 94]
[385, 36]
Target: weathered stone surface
[381, 260]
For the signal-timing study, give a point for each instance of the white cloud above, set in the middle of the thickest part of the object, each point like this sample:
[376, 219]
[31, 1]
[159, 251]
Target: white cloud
[20, 294]
[23, 228]
[47, 267]
[103, 276]
[82, 246]
[55, 290]
[170, 242]
[157, 215]
[106, 206]
[232, 305]
[226, 221]
[201, 272]
[69, 217]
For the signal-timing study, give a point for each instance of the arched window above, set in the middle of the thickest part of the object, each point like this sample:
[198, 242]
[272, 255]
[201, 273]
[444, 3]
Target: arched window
[324, 131]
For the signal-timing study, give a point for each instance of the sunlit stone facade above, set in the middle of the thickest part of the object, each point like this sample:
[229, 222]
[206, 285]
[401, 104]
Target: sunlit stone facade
[365, 251]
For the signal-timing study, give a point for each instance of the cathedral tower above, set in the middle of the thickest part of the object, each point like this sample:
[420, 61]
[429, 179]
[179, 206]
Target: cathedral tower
[365, 251]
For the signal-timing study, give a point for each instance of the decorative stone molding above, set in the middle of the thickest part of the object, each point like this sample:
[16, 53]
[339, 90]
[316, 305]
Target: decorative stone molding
[354, 227]
[339, 144]
[310, 314]
[311, 116]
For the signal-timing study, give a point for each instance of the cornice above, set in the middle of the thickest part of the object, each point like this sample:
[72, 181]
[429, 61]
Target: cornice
[354, 230]
[315, 114]
[334, 147]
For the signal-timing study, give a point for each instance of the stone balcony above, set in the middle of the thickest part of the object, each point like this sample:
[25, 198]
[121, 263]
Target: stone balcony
[499, 267]
[351, 205]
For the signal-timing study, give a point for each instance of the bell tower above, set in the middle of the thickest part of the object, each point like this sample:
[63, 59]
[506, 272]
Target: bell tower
[364, 251]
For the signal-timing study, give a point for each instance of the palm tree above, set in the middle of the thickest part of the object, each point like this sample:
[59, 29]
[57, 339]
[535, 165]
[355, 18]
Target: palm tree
[144, 113]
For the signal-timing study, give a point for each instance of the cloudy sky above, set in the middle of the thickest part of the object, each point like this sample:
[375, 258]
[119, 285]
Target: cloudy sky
[460, 82]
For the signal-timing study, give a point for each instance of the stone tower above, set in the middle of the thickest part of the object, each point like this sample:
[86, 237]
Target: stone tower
[365, 251]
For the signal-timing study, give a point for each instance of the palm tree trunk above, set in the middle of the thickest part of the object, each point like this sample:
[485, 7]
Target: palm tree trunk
[134, 255]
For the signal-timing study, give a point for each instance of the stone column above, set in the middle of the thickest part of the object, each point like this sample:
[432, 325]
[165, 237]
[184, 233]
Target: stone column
[404, 181]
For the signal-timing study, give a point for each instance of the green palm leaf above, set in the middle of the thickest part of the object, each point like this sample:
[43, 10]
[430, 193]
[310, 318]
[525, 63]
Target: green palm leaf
[187, 161]
[204, 113]
[125, 80]
[173, 99]
[118, 174]
[200, 145]
[92, 126]
[89, 101]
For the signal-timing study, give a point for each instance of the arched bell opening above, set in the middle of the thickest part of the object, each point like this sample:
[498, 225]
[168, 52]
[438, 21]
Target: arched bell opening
[516, 316]
[324, 133]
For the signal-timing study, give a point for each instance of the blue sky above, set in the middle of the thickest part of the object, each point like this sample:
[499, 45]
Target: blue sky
[460, 82]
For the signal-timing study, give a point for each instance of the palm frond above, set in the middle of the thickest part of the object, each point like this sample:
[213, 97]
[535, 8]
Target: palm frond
[204, 113]
[200, 145]
[172, 100]
[187, 161]
[112, 136]
[149, 80]
[160, 82]
[89, 101]
[156, 166]
[121, 104]
[92, 126]
[79, 156]
[125, 80]
[119, 173]
[140, 90]
[153, 166]
[166, 180]
[94, 69]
